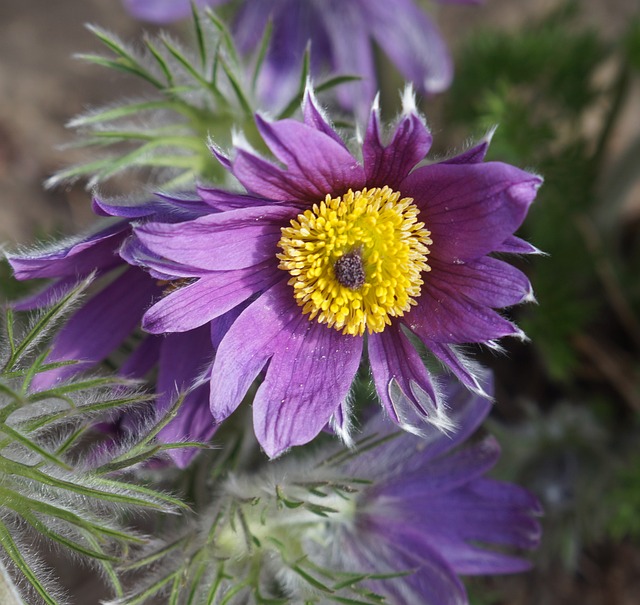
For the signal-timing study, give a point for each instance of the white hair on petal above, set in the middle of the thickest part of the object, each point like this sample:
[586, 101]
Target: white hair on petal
[473, 368]
[344, 429]
[408, 97]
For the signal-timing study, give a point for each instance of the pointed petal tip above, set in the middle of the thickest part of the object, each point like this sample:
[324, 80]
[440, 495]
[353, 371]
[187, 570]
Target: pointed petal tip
[408, 97]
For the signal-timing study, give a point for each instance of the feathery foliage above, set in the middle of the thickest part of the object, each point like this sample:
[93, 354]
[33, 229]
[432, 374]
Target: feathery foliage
[55, 491]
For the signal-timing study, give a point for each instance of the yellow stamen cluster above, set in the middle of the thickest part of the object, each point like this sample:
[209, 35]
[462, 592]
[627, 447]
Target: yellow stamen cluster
[380, 233]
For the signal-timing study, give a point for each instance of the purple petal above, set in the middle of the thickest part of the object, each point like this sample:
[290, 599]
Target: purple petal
[315, 162]
[130, 211]
[183, 359]
[394, 358]
[465, 369]
[308, 378]
[222, 200]
[310, 371]
[143, 359]
[443, 317]
[473, 516]
[47, 296]
[377, 550]
[100, 325]
[211, 296]
[473, 155]
[251, 20]
[75, 258]
[246, 348]
[471, 561]
[228, 240]
[408, 454]
[135, 253]
[412, 42]
[470, 209]
[515, 245]
[390, 164]
[486, 281]
[351, 54]
[410, 489]
[315, 117]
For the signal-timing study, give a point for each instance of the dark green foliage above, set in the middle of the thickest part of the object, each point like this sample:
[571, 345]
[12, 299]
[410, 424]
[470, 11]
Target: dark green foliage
[538, 85]
[542, 85]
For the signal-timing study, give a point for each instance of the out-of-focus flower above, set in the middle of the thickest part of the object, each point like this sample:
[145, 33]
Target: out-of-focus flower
[113, 313]
[330, 249]
[397, 517]
[165, 11]
[429, 509]
[342, 34]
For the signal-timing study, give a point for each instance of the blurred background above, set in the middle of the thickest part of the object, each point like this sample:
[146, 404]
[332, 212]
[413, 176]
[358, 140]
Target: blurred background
[562, 79]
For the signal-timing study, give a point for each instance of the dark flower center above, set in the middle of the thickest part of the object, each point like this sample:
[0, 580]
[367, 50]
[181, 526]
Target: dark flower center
[349, 270]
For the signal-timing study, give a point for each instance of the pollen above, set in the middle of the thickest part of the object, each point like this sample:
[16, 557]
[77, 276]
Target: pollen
[356, 260]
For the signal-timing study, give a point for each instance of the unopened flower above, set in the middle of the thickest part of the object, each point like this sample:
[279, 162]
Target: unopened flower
[114, 311]
[331, 253]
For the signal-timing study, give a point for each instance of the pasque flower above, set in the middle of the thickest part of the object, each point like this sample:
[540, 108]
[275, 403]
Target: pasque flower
[341, 34]
[113, 313]
[428, 509]
[397, 515]
[326, 253]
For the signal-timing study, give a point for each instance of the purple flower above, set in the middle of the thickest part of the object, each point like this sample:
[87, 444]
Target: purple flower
[429, 510]
[164, 11]
[398, 515]
[342, 35]
[113, 313]
[326, 253]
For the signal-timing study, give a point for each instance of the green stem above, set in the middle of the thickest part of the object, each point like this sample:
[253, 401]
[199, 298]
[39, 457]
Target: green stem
[619, 92]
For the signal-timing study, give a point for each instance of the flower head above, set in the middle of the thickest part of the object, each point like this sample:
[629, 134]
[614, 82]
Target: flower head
[328, 253]
[426, 507]
[396, 519]
[113, 313]
[342, 34]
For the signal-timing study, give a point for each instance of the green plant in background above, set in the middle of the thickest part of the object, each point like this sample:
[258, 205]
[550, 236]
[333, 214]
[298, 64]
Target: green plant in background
[54, 488]
[546, 86]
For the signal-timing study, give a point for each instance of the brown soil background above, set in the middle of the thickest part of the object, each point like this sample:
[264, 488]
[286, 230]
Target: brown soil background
[42, 87]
